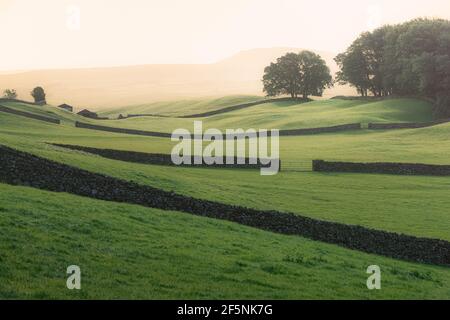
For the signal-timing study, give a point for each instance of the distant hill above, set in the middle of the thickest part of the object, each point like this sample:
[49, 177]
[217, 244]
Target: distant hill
[99, 88]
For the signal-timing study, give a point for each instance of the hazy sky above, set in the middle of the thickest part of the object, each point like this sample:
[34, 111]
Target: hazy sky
[85, 33]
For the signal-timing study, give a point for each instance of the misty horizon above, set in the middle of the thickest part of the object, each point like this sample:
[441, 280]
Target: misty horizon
[104, 87]
[131, 65]
[86, 34]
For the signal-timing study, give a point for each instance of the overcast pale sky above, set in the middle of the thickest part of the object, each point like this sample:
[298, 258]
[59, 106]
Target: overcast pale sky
[86, 33]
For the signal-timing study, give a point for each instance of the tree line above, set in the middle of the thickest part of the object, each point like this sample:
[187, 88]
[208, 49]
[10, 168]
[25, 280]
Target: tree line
[408, 59]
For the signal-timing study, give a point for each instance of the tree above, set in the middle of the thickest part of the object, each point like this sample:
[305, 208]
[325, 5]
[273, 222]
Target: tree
[362, 64]
[38, 94]
[354, 69]
[305, 73]
[10, 94]
[283, 77]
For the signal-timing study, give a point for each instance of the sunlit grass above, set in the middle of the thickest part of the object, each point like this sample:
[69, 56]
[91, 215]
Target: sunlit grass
[134, 252]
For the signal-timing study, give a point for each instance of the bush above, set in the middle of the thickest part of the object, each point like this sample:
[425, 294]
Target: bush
[10, 94]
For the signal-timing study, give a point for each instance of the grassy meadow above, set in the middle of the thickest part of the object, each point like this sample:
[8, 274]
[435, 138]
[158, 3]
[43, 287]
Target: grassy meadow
[180, 107]
[294, 115]
[134, 252]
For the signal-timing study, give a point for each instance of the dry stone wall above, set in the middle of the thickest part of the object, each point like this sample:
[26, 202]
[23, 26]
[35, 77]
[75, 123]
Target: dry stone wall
[382, 167]
[20, 168]
[29, 115]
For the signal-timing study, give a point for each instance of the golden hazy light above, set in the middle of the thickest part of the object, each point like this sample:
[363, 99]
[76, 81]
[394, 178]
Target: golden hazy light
[49, 34]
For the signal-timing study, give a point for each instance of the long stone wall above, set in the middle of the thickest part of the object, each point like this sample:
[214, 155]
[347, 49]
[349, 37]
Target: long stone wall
[18, 101]
[219, 111]
[20, 168]
[285, 132]
[289, 132]
[121, 130]
[410, 125]
[308, 131]
[162, 159]
[29, 115]
[382, 167]
[142, 115]
[241, 106]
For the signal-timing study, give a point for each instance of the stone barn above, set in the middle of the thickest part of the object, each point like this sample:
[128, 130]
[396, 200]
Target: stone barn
[66, 107]
[88, 114]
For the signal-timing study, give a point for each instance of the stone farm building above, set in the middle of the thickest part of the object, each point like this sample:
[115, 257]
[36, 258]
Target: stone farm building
[88, 114]
[66, 107]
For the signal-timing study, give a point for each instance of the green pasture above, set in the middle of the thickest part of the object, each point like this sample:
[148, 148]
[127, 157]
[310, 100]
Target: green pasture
[135, 252]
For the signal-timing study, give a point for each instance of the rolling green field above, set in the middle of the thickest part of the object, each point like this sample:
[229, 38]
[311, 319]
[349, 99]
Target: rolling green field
[294, 115]
[134, 252]
[180, 107]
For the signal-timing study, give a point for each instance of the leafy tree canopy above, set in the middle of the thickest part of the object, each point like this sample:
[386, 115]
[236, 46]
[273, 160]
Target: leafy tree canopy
[305, 73]
[38, 94]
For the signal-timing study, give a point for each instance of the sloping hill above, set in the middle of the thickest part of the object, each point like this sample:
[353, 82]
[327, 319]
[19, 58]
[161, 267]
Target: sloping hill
[294, 115]
[180, 107]
[128, 251]
[45, 111]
